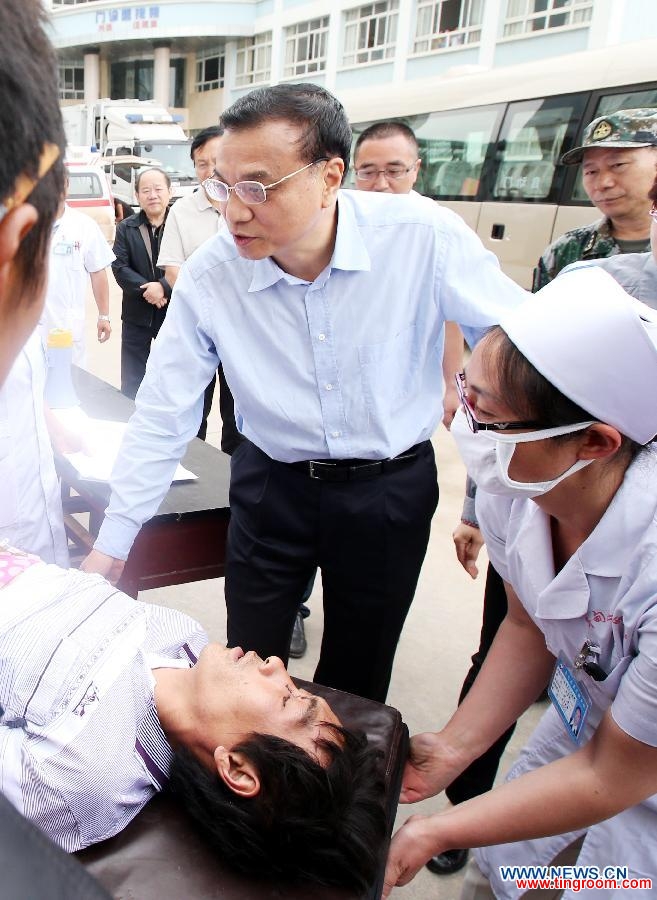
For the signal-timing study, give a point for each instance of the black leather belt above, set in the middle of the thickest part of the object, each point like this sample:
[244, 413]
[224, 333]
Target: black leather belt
[352, 469]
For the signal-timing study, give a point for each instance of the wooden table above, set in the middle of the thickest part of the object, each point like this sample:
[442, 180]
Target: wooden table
[186, 538]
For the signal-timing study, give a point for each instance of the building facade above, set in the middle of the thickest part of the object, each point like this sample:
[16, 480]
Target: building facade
[197, 56]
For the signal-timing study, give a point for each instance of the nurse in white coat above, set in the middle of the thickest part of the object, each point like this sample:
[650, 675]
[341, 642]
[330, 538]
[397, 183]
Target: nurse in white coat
[557, 424]
[31, 516]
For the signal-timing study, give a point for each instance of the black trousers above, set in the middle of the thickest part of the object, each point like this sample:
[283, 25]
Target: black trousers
[480, 774]
[230, 436]
[368, 538]
[136, 343]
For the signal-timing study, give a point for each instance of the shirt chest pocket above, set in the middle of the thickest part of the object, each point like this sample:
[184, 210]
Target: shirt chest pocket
[62, 683]
[69, 254]
[390, 370]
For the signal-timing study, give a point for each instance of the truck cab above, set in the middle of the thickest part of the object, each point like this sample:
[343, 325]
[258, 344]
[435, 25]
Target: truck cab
[134, 128]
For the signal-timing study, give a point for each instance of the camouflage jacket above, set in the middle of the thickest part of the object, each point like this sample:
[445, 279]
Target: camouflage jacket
[589, 242]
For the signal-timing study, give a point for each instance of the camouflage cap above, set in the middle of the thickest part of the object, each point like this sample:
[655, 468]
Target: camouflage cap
[625, 128]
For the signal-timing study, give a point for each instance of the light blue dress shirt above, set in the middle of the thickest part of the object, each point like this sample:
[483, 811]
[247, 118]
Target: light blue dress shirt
[348, 366]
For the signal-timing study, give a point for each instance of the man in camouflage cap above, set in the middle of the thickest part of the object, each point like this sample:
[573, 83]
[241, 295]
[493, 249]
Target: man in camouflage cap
[618, 155]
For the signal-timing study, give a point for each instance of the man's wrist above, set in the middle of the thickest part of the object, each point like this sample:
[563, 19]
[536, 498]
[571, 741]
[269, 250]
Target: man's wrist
[103, 318]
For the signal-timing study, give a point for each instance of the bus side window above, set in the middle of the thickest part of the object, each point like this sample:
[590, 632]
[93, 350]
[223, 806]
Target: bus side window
[454, 146]
[531, 143]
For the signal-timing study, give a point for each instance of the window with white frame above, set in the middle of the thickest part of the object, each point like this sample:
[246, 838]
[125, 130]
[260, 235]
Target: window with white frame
[528, 16]
[210, 67]
[71, 81]
[305, 47]
[253, 59]
[370, 32]
[447, 23]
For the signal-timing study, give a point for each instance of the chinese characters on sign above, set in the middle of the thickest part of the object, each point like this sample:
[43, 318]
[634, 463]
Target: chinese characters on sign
[128, 18]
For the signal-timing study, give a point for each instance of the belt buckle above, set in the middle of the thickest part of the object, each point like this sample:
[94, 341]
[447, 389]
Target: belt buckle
[311, 470]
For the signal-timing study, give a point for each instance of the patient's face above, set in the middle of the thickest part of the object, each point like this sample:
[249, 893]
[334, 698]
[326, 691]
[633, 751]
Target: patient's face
[246, 694]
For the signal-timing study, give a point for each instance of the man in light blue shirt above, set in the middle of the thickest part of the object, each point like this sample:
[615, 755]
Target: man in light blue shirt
[327, 311]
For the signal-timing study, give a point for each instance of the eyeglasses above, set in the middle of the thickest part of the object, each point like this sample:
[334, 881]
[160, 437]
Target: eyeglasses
[390, 173]
[249, 192]
[25, 184]
[653, 212]
[473, 423]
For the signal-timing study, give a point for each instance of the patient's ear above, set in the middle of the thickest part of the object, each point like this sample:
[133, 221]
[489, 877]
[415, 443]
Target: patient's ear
[13, 229]
[237, 772]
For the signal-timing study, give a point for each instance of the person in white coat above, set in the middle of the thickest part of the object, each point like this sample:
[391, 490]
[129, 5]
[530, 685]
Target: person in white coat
[78, 253]
[31, 516]
[556, 427]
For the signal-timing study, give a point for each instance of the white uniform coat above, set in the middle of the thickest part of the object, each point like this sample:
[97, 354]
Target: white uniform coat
[606, 593]
[77, 248]
[31, 515]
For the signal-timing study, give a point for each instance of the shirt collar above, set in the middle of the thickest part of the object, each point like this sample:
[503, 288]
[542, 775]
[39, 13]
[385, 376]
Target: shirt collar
[154, 749]
[349, 254]
[202, 202]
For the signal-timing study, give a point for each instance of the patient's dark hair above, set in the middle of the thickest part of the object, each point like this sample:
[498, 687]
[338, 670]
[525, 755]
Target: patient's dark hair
[29, 118]
[308, 823]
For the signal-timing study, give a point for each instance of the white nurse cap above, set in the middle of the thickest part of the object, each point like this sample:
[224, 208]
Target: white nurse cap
[596, 344]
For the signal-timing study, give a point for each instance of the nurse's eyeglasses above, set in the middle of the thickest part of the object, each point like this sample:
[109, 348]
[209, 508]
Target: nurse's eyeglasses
[473, 423]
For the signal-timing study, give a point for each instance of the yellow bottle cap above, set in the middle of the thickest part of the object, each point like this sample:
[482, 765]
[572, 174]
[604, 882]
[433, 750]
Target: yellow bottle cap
[60, 337]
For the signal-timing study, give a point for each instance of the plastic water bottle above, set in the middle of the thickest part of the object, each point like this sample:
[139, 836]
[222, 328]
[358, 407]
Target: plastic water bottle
[60, 393]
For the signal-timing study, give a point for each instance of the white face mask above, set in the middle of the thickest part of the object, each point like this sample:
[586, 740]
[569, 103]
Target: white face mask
[487, 456]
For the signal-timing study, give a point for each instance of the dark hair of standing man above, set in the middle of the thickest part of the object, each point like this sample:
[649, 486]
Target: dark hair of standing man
[325, 128]
[201, 139]
[29, 118]
[381, 130]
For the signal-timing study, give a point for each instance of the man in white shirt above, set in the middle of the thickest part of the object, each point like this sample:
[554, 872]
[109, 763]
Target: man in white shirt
[192, 221]
[78, 253]
[327, 310]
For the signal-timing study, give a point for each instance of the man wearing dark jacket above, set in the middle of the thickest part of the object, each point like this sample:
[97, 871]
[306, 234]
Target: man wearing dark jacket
[146, 291]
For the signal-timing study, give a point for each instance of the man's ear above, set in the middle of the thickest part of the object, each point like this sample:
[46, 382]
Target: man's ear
[237, 772]
[333, 172]
[13, 229]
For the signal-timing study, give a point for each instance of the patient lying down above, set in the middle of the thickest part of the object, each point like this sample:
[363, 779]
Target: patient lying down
[105, 701]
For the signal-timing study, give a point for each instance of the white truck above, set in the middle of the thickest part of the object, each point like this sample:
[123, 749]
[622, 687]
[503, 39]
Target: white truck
[132, 128]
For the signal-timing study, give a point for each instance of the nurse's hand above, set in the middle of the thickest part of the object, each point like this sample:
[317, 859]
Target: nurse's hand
[413, 845]
[468, 542]
[107, 566]
[431, 766]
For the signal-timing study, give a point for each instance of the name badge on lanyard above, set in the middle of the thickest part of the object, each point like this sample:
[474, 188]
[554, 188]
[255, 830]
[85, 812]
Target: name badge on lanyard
[570, 698]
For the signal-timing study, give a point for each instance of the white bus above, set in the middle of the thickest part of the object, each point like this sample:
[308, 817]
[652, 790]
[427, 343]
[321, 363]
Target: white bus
[491, 141]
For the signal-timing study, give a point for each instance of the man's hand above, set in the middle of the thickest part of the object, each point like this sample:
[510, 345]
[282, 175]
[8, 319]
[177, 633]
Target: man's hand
[154, 293]
[429, 769]
[468, 542]
[451, 403]
[104, 330]
[103, 564]
[411, 848]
